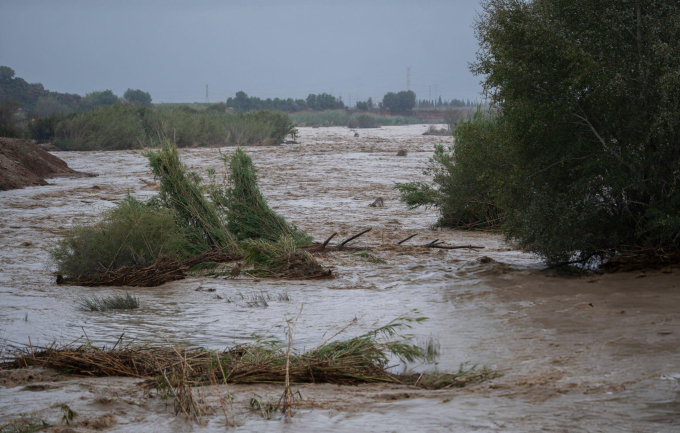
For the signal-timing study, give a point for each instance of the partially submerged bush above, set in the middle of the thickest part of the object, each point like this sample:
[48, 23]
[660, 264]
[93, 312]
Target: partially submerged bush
[148, 244]
[107, 303]
[131, 234]
[468, 177]
[247, 213]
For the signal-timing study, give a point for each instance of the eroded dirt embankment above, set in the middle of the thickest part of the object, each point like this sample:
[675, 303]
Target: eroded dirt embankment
[23, 163]
[594, 353]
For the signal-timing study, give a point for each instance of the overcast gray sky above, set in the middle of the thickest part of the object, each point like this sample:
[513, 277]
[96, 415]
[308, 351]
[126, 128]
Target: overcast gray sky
[172, 49]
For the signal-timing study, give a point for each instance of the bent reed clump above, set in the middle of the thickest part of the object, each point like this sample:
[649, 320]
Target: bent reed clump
[148, 244]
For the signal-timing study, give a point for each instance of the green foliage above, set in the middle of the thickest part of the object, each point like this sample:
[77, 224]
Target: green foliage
[469, 176]
[9, 127]
[128, 126]
[343, 118]
[131, 234]
[247, 213]
[6, 73]
[114, 127]
[243, 102]
[181, 191]
[590, 108]
[108, 303]
[181, 223]
[324, 118]
[43, 129]
[362, 106]
[105, 97]
[399, 102]
[324, 101]
[27, 95]
[49, 106]
[137, 97]
[366, 121]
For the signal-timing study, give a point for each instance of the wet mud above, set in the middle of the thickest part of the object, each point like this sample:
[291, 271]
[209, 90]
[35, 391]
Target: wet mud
[589, 353]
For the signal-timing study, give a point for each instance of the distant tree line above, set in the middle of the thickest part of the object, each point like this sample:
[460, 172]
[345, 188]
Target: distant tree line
[320, 102]
[39, 102]
[453, 103]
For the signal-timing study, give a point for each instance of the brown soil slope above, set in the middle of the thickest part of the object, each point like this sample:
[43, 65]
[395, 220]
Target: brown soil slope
[22, 163]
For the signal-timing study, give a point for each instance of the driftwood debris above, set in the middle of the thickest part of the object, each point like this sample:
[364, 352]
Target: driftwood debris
[324, 247]
[163, 270]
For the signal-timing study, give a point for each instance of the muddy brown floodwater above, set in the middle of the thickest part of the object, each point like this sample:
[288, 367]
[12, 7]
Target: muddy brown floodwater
[594, 353]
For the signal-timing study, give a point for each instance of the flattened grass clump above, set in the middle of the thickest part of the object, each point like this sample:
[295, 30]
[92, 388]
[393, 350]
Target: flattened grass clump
[363, 359]
[131, 234]
[247, 213]
[281, 259]
[108, 303]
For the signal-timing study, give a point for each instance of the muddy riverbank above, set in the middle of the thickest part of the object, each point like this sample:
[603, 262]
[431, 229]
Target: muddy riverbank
[593, 353]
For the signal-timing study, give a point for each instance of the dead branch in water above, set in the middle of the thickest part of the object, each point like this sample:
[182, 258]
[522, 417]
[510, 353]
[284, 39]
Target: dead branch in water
[346, 241]
[408, 238]
[323, 246]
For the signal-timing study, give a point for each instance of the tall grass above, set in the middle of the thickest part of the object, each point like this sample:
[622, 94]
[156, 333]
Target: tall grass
[125, 126]
[355, 120]
[321, 118]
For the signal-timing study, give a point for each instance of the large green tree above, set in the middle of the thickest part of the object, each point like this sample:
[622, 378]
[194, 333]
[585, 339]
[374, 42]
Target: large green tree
[399, 102]
[589, 97]
[137, 97]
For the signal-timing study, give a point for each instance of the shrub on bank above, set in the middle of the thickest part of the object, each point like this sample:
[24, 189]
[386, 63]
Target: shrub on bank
[582, 159]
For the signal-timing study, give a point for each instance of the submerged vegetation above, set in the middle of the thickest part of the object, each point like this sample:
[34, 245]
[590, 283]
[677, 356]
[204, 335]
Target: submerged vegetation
[581, 159]
[147, 244]
[107, 303]
[467, 177]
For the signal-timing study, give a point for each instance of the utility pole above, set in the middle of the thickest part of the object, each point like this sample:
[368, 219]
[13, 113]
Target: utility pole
[430, 98]
[408, 78]
[207, 100]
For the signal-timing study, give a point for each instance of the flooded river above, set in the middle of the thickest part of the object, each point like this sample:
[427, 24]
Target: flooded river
[594, 353]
